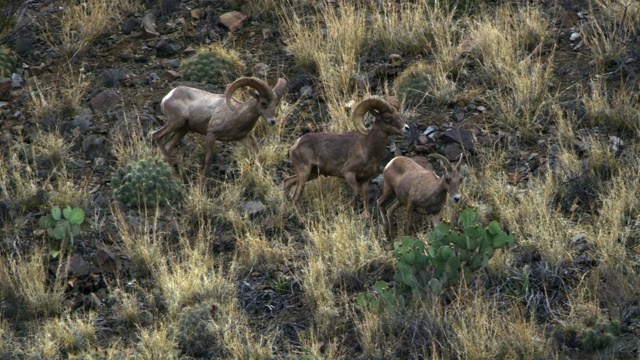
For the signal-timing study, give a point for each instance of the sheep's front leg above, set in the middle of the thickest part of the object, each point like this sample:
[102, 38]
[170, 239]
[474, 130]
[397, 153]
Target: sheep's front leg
[210, 146]
[408, 225]
[356, 188]
[390, 210]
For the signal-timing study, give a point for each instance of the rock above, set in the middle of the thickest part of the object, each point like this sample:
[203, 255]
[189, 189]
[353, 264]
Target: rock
[105, 259]
[260, 69]
[78, 266]
[197, 14]
[129, 26]
[5, 88]
[461, 136]
[394, 59]
[306, 92]
[168, 48]
[149, 26]
[127, 55]
[253, 208]
[452, 151]
[233, 20]
[574, 36]
[267, 33]
[94, 146]
[16, 80]
[105, 100]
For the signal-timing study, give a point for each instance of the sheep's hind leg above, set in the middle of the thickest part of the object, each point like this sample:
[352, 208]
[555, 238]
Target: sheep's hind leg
[169, 128]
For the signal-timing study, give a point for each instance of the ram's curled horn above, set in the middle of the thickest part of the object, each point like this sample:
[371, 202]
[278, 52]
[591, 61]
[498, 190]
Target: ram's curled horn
[259, 85]
[366, 105]
[444, 160]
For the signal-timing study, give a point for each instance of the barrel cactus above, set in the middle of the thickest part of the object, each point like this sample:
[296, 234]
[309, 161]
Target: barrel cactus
[7, 61]
[196, 334]
[213, 65]
[148, 182]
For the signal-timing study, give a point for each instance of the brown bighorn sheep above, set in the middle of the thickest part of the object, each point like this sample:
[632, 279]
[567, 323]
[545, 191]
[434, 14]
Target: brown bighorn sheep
[215, 115]
[354, 156]
[417, 188]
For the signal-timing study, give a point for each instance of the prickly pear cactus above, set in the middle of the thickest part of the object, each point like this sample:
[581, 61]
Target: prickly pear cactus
[458, 255]
[195, 331]
[7, 61]
[148, 182]
[213, 65]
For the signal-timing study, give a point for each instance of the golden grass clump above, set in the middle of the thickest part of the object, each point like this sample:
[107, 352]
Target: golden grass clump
[509, 44]
[80, 24]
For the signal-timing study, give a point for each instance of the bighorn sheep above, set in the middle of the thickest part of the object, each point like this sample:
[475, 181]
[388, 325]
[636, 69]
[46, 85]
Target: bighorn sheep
[418, 188]
[215, 115]
[354, 156]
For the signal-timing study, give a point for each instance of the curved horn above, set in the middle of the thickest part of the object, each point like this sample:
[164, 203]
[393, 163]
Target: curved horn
[259, 85]
[280, 87]
[363, 107]
[444, 160]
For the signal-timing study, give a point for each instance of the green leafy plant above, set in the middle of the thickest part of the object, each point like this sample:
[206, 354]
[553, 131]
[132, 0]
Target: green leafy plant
[457, 255]
[383, 297]
[62, 224]
[148, 182]
[215, 65]
[7, 61]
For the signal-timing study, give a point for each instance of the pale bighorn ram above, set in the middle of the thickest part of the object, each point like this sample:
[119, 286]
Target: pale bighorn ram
[354, 156]
[418, 188]
[189, 109]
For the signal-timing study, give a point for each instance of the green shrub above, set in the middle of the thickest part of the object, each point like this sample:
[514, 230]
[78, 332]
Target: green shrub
[215, 66]
[148, 183]
[7, 62]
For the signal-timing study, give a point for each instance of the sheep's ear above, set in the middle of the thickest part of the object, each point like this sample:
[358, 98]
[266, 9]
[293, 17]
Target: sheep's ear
[459, 164]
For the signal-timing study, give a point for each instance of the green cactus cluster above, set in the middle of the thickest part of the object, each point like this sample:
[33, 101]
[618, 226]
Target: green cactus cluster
[457, 255]
[7, 62]
[600, 335]
[148, 182]
[195, 334]
[213, 65]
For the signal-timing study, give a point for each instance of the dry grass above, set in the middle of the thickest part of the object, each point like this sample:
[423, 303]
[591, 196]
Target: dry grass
[81, 23]
[311, 262]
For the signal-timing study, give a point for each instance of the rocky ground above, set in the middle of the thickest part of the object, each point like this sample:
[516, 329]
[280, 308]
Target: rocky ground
[136, 62]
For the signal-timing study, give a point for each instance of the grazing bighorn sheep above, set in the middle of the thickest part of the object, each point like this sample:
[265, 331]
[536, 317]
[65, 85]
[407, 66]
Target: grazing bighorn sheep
[354, 156]
[418, 188]
[215, 115]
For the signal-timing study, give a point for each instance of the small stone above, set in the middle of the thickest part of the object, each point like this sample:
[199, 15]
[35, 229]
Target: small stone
[574, 36]
[105, 100]
[149, 26]
[233, 20]
[197, 14]
[260, 69]
[267, 33]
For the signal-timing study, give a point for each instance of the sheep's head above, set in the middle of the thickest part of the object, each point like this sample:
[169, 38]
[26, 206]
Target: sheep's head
[267, 99]
[452, 177]
[385, 113]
